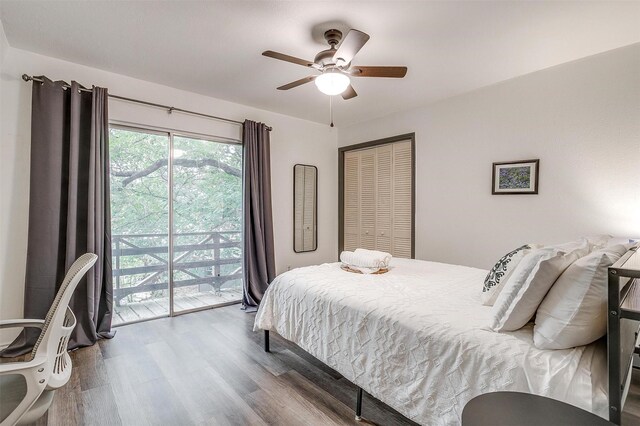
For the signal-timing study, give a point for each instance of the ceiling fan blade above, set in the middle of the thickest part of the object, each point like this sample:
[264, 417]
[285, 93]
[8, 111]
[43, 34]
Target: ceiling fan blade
[297, 83]
[349, 93]
[288, 58]
[390, 72]
[351, 45]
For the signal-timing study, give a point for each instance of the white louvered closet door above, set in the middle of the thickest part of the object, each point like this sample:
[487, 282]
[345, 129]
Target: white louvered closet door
[384, 190]
[351, 200]
[378, 199]
[402, 199]
[368, 199]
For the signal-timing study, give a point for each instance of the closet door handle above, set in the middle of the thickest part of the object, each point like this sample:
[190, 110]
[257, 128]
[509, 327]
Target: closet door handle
[382, 233]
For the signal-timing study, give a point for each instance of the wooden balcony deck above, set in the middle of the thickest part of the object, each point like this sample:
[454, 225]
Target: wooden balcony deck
[159, 307]
[207, 267]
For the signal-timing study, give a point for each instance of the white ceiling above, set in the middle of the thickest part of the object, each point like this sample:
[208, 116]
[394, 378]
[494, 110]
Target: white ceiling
[214, 47]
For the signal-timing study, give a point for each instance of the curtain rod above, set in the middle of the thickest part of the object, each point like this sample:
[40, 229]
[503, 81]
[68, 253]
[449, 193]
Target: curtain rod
[169, 109]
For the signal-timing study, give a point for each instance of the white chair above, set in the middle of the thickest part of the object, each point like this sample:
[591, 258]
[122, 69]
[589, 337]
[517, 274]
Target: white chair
[27, 387]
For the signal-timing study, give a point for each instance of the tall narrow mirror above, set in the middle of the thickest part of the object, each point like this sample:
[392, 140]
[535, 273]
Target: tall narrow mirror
[305, 209]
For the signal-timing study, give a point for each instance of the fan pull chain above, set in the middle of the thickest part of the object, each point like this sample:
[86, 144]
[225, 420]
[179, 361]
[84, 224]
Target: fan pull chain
[331, 110]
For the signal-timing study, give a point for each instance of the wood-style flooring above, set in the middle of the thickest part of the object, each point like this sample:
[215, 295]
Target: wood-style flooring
[205, 368]
[209, 368]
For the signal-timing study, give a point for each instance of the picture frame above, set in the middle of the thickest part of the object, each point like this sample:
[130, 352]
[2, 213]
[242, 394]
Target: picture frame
[515, 177]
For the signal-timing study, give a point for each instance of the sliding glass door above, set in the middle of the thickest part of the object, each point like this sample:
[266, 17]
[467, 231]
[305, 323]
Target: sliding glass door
[207, 223]
[139, 223]
[176, 207]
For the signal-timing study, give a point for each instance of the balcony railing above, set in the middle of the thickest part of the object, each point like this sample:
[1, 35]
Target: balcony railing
[140, 261]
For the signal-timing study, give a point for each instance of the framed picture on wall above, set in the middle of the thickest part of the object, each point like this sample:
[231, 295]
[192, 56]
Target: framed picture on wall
[515, 177]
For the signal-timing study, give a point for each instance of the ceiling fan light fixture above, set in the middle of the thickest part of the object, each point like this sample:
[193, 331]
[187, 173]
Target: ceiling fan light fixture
[332, 82]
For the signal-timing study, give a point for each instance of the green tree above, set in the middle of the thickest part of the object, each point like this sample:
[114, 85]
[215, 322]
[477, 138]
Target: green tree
[207, 197]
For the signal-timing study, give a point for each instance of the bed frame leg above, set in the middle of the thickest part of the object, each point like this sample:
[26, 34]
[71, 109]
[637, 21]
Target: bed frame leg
[359, 405]
[266, 341]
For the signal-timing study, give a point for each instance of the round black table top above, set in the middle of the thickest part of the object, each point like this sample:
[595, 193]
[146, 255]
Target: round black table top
[525, 409]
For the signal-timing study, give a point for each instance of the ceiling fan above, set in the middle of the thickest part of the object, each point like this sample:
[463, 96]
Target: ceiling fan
[335, 65]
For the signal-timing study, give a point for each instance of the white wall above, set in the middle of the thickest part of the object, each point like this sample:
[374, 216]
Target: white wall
[4, 45]
[292, 141]
[581, 119]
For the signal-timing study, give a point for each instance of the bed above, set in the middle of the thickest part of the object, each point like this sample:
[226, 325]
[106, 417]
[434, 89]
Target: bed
[416, 338]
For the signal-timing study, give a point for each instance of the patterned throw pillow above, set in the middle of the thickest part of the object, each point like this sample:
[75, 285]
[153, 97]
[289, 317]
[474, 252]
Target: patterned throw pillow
[499, 274]
[528, 284]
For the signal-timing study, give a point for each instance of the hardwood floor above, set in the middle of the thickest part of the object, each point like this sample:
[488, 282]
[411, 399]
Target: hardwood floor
[209, 368]
[205, 368]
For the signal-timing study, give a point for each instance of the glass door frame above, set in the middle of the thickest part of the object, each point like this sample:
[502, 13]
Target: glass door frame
[171, 133]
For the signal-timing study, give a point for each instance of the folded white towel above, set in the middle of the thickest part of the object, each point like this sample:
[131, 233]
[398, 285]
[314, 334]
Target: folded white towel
[366, 261]
[353, 259]
[381, 257]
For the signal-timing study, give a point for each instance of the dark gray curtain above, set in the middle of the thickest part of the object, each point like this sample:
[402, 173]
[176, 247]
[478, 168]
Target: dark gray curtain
[69, 212]
[259, 258]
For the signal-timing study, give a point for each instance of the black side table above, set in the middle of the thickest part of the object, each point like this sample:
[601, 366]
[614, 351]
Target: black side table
[525, 409]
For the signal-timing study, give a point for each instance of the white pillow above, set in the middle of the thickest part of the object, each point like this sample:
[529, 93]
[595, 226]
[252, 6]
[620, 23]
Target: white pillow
[529, 283]
[572, 245]
[605, 240]
[574, 312]
[501, 271]
[598, 240]
[627, 242]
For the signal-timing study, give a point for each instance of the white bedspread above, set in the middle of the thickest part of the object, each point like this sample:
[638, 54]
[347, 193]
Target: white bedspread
[416, 339]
